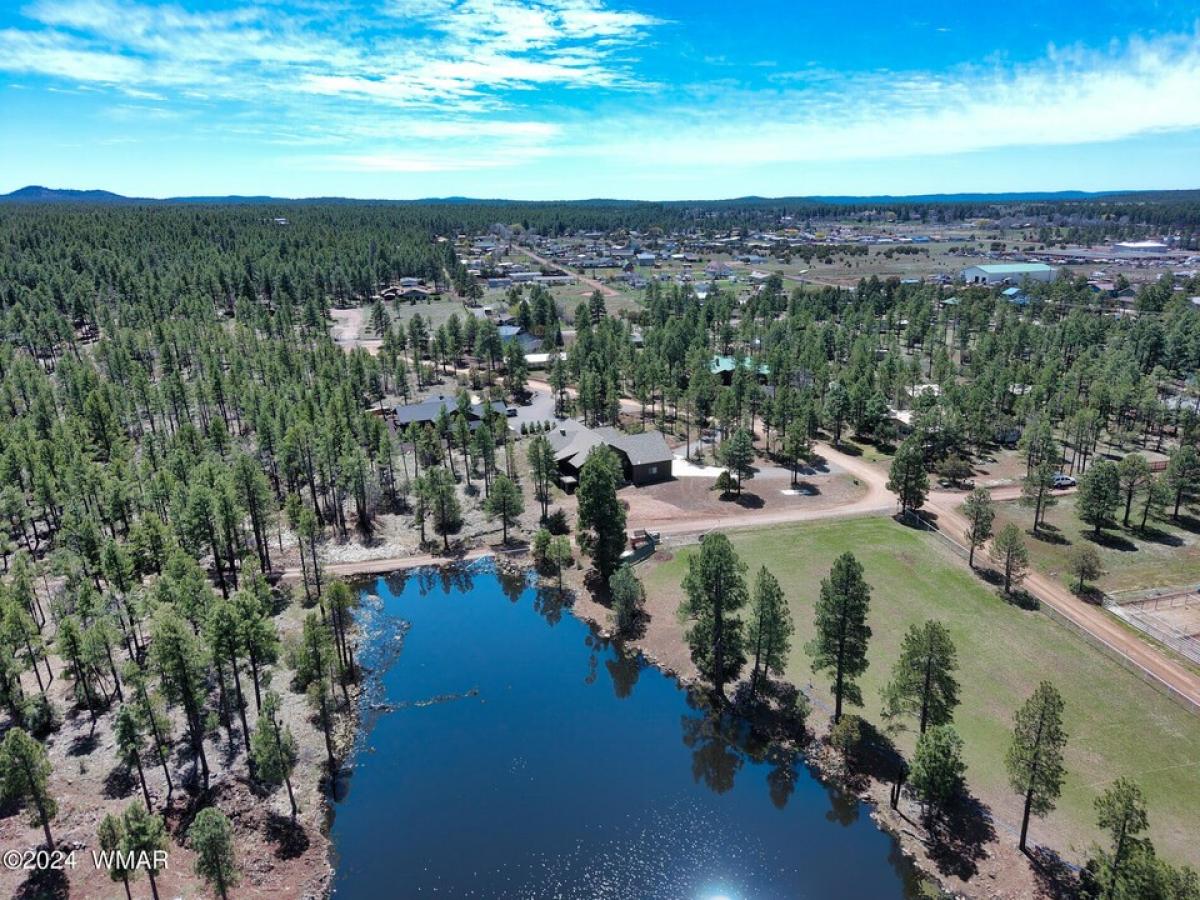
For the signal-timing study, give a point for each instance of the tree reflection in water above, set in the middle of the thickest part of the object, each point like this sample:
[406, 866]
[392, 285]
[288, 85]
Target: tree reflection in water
[624, 669]
[550, 603]
[844, 807]
[722, 741]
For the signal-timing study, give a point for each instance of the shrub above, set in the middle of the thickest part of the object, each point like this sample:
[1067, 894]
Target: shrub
[557, 523]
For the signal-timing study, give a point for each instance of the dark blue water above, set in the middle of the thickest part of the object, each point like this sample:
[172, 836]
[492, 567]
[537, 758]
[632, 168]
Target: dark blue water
[524, 756]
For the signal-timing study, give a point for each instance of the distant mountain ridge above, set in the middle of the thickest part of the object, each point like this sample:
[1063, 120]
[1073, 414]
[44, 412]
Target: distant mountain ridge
[40, 194]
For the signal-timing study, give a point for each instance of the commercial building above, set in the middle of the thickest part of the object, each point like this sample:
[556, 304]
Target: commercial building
[1008, 273]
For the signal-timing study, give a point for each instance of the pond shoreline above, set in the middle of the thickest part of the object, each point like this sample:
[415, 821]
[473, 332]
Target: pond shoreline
[994, 873]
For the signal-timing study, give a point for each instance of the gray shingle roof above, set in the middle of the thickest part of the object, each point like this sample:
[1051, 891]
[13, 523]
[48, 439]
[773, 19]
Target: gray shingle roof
[429, 410]
[647, 447]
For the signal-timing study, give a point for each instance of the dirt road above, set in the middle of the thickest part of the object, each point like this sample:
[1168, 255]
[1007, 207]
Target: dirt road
[590, 282]
[1092, 619]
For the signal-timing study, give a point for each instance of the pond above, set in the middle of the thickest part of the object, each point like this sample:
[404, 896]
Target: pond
[509, 751]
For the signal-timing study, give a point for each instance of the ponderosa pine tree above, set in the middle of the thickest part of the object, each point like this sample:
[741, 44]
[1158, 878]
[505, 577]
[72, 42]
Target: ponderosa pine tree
[936, 774]
[224, 635]
[181, 664]
[923, 683]
[1035, 757]
[842, 632]
[769, 636]
[907, 477]
[210, 836]
[1120, 811]
[1011, 554]
[110, 835]
[505, 503]
[274, 748]
[130, 743]
[980, 513]
[627, 596]
[144, 836]
[737, 454]
[1098, 495]
[601, 528]
[715, 589]
[544, 468]
[25, 776]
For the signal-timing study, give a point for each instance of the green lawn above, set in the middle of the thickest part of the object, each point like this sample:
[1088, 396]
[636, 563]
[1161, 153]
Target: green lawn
[1165, 556]
[1118, 725]
[866, 450]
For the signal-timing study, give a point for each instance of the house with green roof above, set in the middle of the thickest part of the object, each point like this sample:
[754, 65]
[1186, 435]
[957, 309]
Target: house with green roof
[725, 366]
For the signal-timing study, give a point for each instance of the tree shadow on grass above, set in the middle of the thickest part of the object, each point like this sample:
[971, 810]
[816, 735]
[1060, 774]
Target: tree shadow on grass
[1188, 522]
[1111, 541]
[1016, 596]
[289, 837]
[1048, 534]
[922, 521]
[1022, 599]
[958, 839]
[1159, 536]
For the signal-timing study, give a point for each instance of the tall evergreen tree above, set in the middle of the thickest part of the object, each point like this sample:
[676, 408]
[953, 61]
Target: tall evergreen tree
[907, 477]
[601, 515]
[980, 513]
[275, 749]
[770, 629]
[1011, 554]
[1035, 757]
[923, 682]
[211, 837]
[842, 632]
[24, 778]
[715, 591]
[505, 503]
[737, 454]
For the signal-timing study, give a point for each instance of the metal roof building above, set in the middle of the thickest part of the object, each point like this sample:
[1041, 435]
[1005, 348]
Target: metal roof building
[1008, 273]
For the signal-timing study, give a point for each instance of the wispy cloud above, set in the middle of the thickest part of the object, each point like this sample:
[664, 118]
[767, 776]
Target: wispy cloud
[418, 71]
[1072, 96]
[424, 52]
[420, 86]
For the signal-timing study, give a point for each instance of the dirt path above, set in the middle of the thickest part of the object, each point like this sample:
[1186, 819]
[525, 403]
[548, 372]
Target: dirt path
[590, 282]
[1176, 678]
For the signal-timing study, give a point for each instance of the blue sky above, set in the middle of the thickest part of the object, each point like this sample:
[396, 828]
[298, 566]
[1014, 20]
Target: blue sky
[566, 99]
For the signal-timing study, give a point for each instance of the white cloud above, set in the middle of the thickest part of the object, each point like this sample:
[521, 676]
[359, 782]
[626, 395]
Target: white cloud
[458, 85]
[59, 56]
[425, 52]
[1071, 97]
